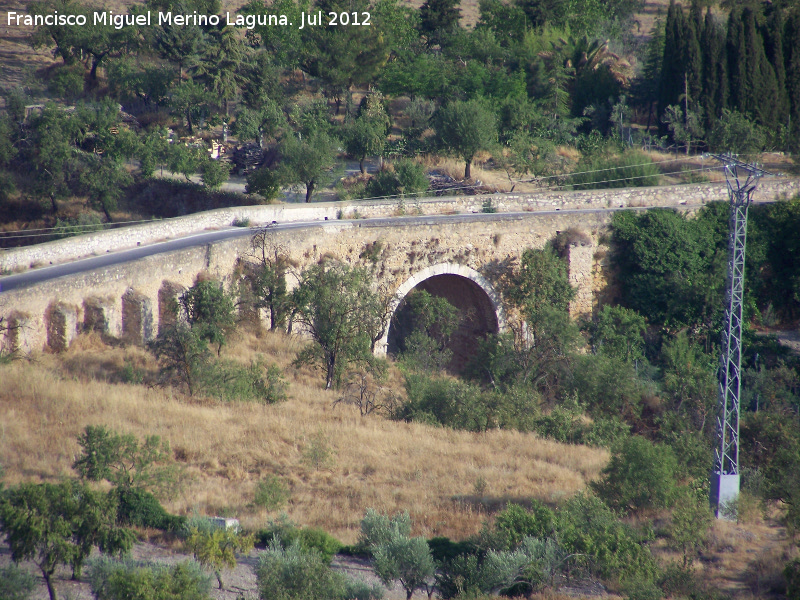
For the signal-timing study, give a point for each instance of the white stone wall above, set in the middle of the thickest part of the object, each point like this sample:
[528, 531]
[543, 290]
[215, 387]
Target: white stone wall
[20, 259]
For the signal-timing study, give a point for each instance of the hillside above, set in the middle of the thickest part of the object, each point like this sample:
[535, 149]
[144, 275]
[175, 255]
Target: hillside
[226, 448]
[335, 462]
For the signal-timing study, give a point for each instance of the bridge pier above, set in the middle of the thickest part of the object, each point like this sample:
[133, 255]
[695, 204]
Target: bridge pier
[62, 322]
[168, 295]
[102, 316]
[580, 268]
[137, 318]
[15, 337]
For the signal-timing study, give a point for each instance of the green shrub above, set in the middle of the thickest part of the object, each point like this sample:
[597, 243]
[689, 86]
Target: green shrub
[231, 381]
[405, 177]
[515, 523]
[84, 223]
[630, 169]
[15, 584]
[66, 81]
[307, 539]
[643, 590]
[117, 580]
[562, 424]
[608, 386]
[142, 509]
[215, 173]
[377, 528]
[271, 493]
[609, 548]
[444, 401]
[606, 432]
[292, 573]
[444, 549]
[792, 575]
[640, 475]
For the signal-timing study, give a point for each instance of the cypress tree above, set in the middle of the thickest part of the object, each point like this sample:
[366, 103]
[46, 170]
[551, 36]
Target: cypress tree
[759, 96]
[792, 59]
[737, 56]
[645, 88]
[672, 66]
[773, 42]
[692, 61]
[715, 79]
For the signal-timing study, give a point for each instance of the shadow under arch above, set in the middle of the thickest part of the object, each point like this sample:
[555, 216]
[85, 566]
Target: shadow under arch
[464, 288]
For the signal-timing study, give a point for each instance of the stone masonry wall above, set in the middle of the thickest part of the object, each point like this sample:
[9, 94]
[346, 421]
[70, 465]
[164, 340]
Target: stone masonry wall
[394, 253]
[20, 259]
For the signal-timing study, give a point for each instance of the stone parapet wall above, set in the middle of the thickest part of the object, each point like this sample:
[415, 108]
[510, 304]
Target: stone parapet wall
[61, 251]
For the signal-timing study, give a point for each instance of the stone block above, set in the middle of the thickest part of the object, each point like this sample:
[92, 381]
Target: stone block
[61, 321]
[137, 318]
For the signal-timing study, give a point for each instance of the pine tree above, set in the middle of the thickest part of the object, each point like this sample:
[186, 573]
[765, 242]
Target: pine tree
[439, 15]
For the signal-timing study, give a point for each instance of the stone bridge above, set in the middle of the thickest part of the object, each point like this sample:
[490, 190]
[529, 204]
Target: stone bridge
[457, 257]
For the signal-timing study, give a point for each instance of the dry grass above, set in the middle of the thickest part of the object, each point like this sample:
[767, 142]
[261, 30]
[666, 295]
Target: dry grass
[227, 448]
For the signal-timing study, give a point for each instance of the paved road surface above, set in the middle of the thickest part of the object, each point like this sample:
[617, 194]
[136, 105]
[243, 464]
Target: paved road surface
[35, 276]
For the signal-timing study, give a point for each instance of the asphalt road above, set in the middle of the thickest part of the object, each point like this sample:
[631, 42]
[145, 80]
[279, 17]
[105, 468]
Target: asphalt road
[34, 276]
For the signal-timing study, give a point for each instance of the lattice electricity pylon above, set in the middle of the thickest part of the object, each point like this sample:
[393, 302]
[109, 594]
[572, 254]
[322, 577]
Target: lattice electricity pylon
[725, 477]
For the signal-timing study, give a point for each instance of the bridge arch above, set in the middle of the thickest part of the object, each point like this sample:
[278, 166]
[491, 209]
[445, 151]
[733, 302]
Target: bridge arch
[463, 287]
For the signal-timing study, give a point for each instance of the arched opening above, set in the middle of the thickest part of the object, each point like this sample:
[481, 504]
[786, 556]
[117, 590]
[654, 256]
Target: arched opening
[469, 293]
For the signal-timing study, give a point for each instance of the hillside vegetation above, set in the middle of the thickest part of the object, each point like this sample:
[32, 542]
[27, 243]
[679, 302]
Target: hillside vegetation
[227, 448]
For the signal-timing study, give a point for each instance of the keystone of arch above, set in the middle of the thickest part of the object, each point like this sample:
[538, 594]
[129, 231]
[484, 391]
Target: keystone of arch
[443, 269]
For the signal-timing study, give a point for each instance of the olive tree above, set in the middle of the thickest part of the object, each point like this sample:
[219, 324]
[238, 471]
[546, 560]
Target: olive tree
[59, 524]
[466, 128]
[216, 549]
[307, 160]
[341, 312]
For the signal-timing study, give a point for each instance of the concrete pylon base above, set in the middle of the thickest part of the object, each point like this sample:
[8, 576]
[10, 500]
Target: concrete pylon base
[724, 493]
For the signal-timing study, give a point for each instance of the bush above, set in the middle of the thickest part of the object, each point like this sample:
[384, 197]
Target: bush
[307, 539]
[295, 574]
[630, 169]
[142, 509]
[735, 132]
[271, 493]
[263, 182]
[377, 528]
[116, 580]
[15, 584]
[515, 524]
[639, 475]
[215, 173]
[610, 548]
[792, 575]
[404, 559]
[231, 381]
[444, 401]
[66, 81]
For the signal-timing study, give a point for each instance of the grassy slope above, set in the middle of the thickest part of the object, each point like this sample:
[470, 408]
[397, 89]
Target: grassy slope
[227, 448]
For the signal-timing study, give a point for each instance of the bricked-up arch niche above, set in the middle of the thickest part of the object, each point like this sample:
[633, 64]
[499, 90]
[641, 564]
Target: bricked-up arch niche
[464, 288]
